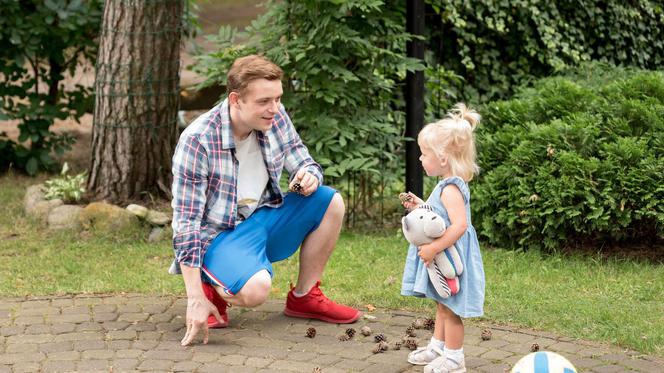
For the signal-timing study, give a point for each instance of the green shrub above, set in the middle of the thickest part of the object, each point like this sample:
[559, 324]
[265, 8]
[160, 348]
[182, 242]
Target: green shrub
[66, 187]
[497, 45]
[573, 159]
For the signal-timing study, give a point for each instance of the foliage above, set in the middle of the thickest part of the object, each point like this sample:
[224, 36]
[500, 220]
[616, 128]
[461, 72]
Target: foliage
[40, 42]
[344, 61]
[497, 45]
[573, 159]
[66, 187]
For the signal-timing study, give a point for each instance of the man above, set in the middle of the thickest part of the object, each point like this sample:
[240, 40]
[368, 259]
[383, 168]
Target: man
[230, 217]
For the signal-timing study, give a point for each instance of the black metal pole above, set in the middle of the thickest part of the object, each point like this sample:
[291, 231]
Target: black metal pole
[414, 97]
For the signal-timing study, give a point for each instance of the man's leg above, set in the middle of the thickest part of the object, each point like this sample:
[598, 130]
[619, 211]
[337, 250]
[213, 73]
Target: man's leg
[319, 244]
[254, 293]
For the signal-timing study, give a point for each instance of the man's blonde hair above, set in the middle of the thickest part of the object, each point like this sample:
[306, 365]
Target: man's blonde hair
[452, 137]
[247, 69]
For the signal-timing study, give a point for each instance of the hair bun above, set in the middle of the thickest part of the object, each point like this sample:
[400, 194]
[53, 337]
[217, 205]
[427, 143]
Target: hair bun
[462, 112]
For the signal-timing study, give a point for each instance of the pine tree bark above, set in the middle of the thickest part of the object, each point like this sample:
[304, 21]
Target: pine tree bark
[137, 99]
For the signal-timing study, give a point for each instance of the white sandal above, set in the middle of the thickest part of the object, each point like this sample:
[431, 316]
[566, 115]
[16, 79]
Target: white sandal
[424, 355]
[446, 364]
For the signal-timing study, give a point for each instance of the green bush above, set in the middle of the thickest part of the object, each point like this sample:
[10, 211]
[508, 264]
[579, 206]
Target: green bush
[66, 187]
[41, 41]
[574, 159]
[497, 45]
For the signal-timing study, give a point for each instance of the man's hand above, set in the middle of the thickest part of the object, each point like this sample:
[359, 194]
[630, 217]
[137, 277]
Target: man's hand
[198, 310]
[308, 182]
[427, 253]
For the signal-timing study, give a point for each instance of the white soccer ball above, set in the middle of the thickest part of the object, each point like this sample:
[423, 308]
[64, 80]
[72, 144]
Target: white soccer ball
[543, 362]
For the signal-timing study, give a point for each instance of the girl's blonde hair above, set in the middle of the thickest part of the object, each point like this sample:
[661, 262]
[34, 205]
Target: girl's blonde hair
[452, 138]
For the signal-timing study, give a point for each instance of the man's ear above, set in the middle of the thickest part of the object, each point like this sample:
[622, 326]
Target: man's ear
[234, 98]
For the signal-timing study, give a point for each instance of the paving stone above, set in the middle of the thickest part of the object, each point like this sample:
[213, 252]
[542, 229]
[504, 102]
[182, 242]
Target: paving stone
[55, 347]
[89, 345]
[62, 302]
[30, 338]
[28, 320]
[167, 355]
[133, 317]
[496, 355]
[64, 355]
[145, 345]
[38, 311]
[185, 366]
[119, 344]
[87, 301]
[608, 369]
[23, 347]
[89, 327]
[16, 358]
[104, 316]
[643, 365]
[38, 329]
[8, 331]
[155, 365]
[26, 367]
[63, 328]
[93, 365]
[59, 366]
[98, 354]
[256, 362]
[124, 364]
[121, 334]
[294, 366]
[493, 368]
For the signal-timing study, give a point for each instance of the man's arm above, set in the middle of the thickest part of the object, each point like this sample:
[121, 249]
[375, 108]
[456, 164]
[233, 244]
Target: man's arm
[298, 162]
[189, 198]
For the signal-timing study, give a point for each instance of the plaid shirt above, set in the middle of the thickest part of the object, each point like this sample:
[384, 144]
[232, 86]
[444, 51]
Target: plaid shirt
[205, 174]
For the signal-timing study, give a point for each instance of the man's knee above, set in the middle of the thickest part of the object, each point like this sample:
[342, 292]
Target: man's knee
[336, 209]
[256, 290]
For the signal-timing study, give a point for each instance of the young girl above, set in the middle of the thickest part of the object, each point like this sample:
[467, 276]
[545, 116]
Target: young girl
[448, 152]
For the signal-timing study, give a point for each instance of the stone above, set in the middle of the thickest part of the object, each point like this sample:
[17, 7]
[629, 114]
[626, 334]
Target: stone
[156, 234]
[65, 217]
[42, 209]
[33, 194]
[158, 218]
[138, 210]
[102, 216]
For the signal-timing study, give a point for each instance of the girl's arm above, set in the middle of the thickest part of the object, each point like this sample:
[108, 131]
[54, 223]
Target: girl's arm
[453, 201]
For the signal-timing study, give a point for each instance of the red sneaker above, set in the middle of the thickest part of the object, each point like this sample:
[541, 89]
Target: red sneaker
[316, 305]
[216, 299]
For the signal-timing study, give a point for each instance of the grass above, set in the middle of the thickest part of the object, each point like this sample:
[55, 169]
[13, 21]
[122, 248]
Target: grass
[609, 300]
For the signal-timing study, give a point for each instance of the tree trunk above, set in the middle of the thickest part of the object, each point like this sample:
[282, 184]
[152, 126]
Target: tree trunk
[137, 97]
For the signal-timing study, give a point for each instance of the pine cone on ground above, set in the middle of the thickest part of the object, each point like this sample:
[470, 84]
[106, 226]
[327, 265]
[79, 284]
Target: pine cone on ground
[380, 338]
[311, 332]
[429, 324]
[317, 370]
[350, 332]
[410, 331]
[366, 331]
[411, 343]
[380, 347]
[486, 334]
[396, 345]
[534, 348]
[344, 337]
[418, 324]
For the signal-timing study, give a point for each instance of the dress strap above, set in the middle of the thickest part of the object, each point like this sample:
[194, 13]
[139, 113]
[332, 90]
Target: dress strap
[460, 183]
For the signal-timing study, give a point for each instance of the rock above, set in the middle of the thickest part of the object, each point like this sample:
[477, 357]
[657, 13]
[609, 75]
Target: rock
[156, 234]
[65, 217]
[101, 216]
[34, 194]
[138, 210]
[158, 218]
[42, 209]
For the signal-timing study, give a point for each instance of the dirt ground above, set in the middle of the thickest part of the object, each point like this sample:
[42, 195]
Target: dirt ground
[212, 15]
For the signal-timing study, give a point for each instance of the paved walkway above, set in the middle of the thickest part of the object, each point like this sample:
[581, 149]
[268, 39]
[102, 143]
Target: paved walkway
[138, 333]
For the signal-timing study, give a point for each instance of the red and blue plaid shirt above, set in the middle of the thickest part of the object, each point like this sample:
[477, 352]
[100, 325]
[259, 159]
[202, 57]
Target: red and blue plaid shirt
[205, 178]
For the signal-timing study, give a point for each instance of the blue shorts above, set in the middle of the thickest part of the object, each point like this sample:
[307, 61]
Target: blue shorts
[268, 236]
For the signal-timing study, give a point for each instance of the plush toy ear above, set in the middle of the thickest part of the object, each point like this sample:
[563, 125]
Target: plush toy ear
[434, 226]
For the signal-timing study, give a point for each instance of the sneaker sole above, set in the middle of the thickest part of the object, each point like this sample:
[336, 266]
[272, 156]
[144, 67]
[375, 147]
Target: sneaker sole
[414, 363]
[304, 315]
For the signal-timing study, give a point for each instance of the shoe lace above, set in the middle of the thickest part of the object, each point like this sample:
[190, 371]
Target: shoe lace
[319, 296]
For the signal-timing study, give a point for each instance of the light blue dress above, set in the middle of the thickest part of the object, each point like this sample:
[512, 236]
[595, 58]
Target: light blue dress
[469, 301]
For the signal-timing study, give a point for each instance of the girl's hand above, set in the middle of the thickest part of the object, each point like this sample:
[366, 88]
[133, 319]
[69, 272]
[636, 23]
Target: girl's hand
[427, 252]
[410, 201]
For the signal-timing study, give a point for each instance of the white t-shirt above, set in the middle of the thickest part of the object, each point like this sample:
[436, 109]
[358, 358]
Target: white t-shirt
[252, 175]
